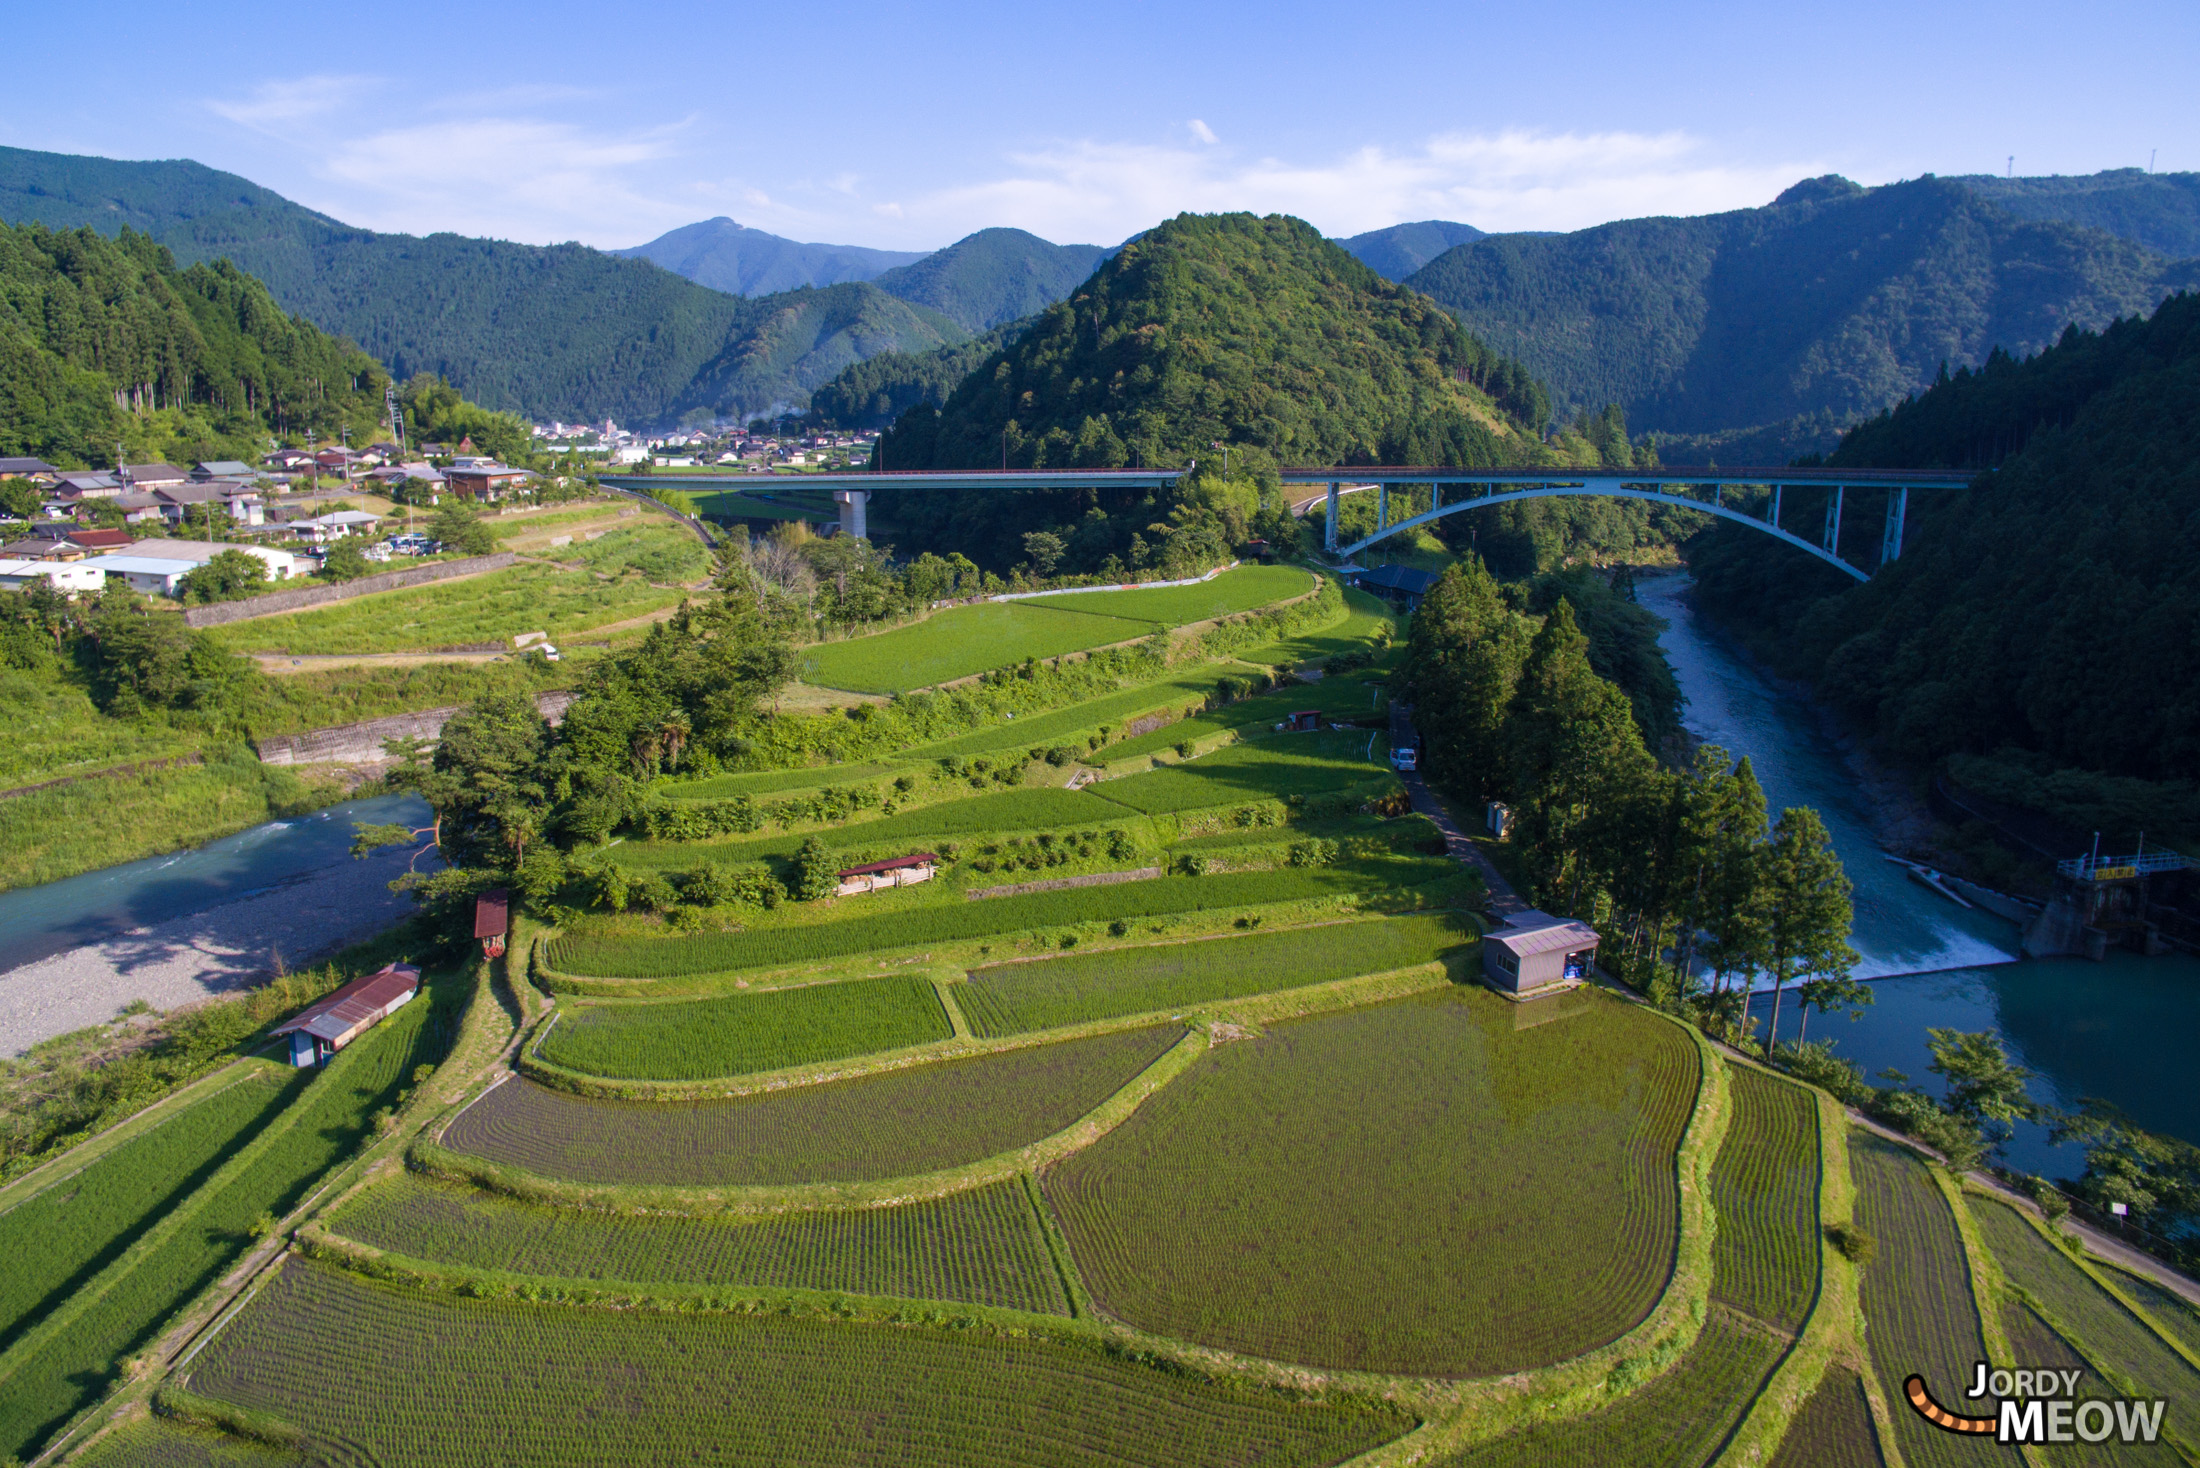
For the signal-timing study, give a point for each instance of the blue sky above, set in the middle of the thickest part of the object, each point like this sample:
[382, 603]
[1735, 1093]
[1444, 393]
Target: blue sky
[908, 126]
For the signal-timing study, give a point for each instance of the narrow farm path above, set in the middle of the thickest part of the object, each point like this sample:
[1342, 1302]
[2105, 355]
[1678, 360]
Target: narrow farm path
[1503, 901]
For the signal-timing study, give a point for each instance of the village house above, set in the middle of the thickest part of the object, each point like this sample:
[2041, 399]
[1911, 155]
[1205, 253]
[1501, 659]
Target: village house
[240, 503]
[222, 469]
[157, 567]
[71, 577]
[335, 525]
[1536, 953]
[153, 476]
[37, 469]
[900, 871]
[318, 1031]
[485, 482]
[45, 548]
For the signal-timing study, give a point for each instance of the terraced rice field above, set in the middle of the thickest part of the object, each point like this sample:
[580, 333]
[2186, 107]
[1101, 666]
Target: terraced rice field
[1238, 590]
[1366, 616]
[959, 642]
[1918, 1310]
[58, 1373]
[155, 1442]
[1186, 689]
[60, 1238]
[1834, 1429]
[1273, 768]
[1340, 699]
[2034, 1342]
[1050, 993]
[983, 1247]
[900, 1123]
[1000, 917]
[1680, 1420]
[489, 1382]
[2092, 1320]
[746, 1033]
[772, 782]
[2173, 1313]
[1764, 1184]
[1379, 1189]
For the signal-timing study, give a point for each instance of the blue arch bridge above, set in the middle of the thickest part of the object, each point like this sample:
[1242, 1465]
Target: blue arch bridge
[1452, 491]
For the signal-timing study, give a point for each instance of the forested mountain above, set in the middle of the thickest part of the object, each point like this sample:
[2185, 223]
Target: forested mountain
[2158, 210]
[106, 340]
[1787, 323]
[874, 392]
[2045, 616]
[1208, 328]
[731, 257]
[560, 331]
[994, 277]
[1398, 251]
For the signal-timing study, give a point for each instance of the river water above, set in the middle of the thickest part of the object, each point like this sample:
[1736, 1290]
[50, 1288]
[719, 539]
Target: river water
[2119, 1030]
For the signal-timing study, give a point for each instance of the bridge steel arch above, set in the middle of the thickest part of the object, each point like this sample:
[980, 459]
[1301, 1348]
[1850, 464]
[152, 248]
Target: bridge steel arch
[1606, 489]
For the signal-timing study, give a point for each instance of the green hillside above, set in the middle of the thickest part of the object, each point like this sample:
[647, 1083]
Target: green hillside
[2158, 210]
[993, 277]
[558, 331]
[1801, 317]
[1398, 251]
[2043, 617]
[874, 392]
[105, 341]
[731, 257]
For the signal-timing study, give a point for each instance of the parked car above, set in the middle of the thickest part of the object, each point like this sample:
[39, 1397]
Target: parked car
[1405, 757]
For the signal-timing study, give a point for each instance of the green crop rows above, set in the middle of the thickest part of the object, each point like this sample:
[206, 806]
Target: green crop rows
[327, 1121]
[1366, 617]
[1918, 1310]
[1834, 1429]
[1240, 590]
[983, 1247]
[1050, 993]
[901, 1122]
[403, 1380]
[745, 1033]
[956, 643]
[662, 958]
[772, 782]
[1040, 729]
[1339, 699]
[1411, 1186]
[1764, 1185]
[155, 1442]
[57, 1240]
[1275, 768]
[1680, 1420]
[1007, 810]
[2173, 1313]
[2090, 1318]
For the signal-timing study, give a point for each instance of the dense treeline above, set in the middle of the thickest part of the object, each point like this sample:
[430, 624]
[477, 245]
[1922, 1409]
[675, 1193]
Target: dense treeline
[105, 341]
[1789, 321]
[1255, 332]
[2044, 615]
[876, 391]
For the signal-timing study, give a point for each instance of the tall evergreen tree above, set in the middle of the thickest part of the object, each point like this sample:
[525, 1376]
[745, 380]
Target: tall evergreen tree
[1802, 899]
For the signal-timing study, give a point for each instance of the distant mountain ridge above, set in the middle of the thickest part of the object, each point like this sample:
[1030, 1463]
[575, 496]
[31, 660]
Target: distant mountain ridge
[559, 331]
[1766, 331]
[1398, 251]
[731, 257]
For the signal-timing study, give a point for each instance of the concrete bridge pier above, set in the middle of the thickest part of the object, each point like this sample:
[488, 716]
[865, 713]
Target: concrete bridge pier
[1833, 524]
[1890, 539]
[1329, 521]
[852, 504]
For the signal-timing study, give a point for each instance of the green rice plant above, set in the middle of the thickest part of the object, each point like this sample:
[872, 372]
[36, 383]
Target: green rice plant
[1051, 993]
[1275, 768]
[2173, 1312]
[60, 1238]
[1680, 1420]
[2097, 1324]
[2034, 1343]
[1415, 1186]
[402, 1379]
[981, 1247]
[65, 1369]
[1369, 622]
[1048, 728]
[1341, 700]
[959, 642]
[1238, 590]
[1834, 1429]
[1919, 1314]
[1764, 1186]
[491, 608]
[1005, 917]
[897, 1123]
[744, 1033]
[157, 1442]
[1006, 810]
[772, 782]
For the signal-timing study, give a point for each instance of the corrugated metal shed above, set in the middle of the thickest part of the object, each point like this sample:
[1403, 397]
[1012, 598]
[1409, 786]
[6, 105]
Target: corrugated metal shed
[1534, 932]
[894, 864]
[492, 913]
[359, 1003]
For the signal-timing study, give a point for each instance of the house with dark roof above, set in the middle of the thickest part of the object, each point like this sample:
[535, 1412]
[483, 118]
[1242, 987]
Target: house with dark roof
[154, 476]
[1401, 584]
[490, 481]
[223, 469]
[25, 469]
[318, 1031]
[492, 920]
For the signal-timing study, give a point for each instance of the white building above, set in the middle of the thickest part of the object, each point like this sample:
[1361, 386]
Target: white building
[68, 576]
[157, 567]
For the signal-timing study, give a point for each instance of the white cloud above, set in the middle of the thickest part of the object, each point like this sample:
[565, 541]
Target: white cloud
[273, 104]
[1504, 181]
[1201, 131]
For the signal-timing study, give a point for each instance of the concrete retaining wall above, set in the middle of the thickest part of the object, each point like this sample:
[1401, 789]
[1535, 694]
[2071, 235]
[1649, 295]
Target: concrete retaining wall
[362, 743]
[313, 596]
